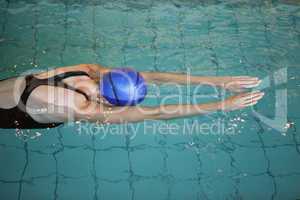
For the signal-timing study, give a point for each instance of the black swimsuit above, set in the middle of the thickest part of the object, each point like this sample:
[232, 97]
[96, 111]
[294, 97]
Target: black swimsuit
[17, 117]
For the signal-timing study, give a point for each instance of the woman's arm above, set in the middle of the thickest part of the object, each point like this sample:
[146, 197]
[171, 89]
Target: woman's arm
[106, 114]
[157, 77]
[96, 71]
[98, 112]
[233, 83]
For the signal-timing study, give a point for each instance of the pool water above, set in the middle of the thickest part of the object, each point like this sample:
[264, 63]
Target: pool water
[256, 153]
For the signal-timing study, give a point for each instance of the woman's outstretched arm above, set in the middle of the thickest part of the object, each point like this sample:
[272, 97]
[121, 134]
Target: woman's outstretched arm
[233, 83]
[97, 112]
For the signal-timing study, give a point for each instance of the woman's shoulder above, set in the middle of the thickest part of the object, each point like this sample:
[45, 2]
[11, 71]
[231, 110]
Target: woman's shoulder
[60, 70]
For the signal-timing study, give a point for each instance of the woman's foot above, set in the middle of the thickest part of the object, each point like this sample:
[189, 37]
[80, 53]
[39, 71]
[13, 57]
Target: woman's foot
[241, 101]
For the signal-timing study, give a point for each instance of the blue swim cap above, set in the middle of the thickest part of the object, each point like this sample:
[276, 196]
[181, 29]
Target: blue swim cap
[123, 86]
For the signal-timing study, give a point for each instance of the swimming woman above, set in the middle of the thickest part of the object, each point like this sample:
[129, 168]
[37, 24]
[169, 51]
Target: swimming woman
[51, 98]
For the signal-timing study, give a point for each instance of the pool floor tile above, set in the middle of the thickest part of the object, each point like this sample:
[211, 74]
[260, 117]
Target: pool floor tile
[182, 171]
[142, 162]
[15, 159]
[112, 164]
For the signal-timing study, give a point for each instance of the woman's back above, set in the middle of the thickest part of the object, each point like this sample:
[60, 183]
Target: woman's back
[10, 91]
[34, 102]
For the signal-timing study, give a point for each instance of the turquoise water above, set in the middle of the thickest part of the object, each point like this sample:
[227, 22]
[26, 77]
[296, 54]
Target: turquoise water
[252, 157]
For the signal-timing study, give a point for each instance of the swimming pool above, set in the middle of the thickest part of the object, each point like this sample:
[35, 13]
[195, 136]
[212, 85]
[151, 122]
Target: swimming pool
[256, 153]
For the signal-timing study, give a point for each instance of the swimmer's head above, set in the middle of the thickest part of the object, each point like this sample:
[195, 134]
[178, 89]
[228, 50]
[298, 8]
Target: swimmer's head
[123, 87]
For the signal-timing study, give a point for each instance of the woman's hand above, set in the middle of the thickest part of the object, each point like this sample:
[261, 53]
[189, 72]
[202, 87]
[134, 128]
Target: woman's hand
[238, 83]
[241, 101]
